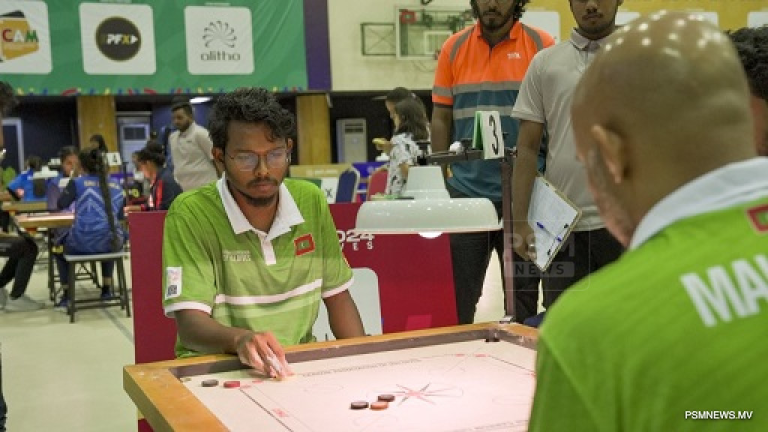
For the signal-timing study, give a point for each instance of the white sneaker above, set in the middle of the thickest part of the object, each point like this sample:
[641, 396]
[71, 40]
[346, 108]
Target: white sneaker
[22, 304]
[3, 298]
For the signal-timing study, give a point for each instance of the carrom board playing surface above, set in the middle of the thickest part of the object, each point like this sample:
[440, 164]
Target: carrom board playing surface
[465, 378]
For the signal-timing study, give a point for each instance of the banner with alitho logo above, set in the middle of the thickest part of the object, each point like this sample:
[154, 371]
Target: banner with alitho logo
[151, 46]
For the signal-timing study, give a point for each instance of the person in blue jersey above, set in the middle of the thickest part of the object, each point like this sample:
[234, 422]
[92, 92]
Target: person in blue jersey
[70, 167]
[98, 211]
[23, 186]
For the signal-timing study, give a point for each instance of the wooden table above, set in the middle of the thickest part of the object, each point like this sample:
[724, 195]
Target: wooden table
[14, 207]
[31, 222]
[480, 374]
[34, 221]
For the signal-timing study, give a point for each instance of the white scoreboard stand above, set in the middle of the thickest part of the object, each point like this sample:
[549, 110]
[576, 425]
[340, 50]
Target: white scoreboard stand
[114, 159]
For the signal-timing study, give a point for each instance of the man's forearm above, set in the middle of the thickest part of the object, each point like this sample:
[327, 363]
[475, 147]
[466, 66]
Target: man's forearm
[199, 332]
[343, 316]
[526, 167]
[523, 177]
[442, 121]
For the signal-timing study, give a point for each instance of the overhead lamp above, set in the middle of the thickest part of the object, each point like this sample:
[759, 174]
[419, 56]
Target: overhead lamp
[433, 212]
[425, 208]
[199, 99]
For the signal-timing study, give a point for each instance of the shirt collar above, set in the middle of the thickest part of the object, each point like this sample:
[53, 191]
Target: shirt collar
[581, 42]
[733, 184]
[189, 130]
[287, 214]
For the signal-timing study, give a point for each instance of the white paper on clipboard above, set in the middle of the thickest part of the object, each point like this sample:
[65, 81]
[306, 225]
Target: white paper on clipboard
[552, 217]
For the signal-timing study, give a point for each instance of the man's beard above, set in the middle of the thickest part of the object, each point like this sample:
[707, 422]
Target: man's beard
[601, 28]
[596, 30]
[497, 23]
[259, 201]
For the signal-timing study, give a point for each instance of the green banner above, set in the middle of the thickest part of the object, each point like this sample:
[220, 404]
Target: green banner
[151, 46]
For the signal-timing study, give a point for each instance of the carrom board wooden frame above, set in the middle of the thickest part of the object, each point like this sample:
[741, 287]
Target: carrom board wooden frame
[165, 402]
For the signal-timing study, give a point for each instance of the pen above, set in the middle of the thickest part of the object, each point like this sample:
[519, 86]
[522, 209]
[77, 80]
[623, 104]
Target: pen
[541, 226]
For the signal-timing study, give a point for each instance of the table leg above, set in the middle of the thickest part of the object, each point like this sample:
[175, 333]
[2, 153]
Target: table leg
[51, 276]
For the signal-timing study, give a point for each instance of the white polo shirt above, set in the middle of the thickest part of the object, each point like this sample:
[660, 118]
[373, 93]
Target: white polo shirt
[545, 97]
[192, 159]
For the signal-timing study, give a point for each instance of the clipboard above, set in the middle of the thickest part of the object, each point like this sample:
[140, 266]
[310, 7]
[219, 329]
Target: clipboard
[552, 217]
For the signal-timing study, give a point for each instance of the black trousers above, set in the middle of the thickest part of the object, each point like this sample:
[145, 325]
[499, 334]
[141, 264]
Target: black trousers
[5, 220]
[3, 406]
[582, 253]
[471, 253]
[21, 251]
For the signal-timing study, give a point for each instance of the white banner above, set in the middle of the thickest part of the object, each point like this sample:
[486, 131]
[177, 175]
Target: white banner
[25, 44]
[219, 40]
[118, 39]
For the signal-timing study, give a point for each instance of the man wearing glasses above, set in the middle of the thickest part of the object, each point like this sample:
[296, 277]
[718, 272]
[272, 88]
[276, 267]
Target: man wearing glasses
[481, 68]
[248, 258]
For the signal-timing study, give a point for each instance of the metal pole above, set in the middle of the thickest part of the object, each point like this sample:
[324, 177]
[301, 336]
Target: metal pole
[508, 263]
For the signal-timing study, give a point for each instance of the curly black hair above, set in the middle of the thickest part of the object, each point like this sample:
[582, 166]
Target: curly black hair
[249, 105]
[7, 98]
[752, 46]
[516, 14]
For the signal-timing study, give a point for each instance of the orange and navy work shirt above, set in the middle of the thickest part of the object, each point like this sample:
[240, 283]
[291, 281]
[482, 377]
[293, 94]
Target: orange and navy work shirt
[475, 76]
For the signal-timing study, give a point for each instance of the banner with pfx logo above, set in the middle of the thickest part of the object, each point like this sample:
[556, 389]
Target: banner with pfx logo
[117, 39]
[125, 47]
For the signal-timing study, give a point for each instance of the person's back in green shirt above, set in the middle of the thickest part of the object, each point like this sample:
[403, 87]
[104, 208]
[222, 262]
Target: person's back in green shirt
[677, 325]
[671, 337]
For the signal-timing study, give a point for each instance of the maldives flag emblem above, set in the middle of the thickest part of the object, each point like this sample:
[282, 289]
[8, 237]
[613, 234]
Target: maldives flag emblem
[759, 218]
[304, 244]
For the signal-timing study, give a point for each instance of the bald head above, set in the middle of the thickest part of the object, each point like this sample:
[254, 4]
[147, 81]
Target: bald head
[665, 101]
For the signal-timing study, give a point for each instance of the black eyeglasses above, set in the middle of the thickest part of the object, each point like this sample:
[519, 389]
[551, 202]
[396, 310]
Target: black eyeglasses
[501, 2]
[248, 161]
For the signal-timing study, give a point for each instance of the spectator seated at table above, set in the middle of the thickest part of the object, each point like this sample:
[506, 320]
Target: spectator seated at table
[24, 187]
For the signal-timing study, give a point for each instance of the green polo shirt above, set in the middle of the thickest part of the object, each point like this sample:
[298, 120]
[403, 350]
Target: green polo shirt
[216, 262]
[672, 336]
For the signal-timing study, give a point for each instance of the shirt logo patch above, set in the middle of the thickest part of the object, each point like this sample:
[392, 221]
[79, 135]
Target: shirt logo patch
[759, 218]
[513, 55]
[304, 244]
[236, 256]
[172, 282]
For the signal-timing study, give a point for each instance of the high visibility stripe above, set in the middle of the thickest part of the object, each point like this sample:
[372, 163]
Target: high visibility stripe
[486, 86]
[459, 42]
[535, 36]
[269, 299]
